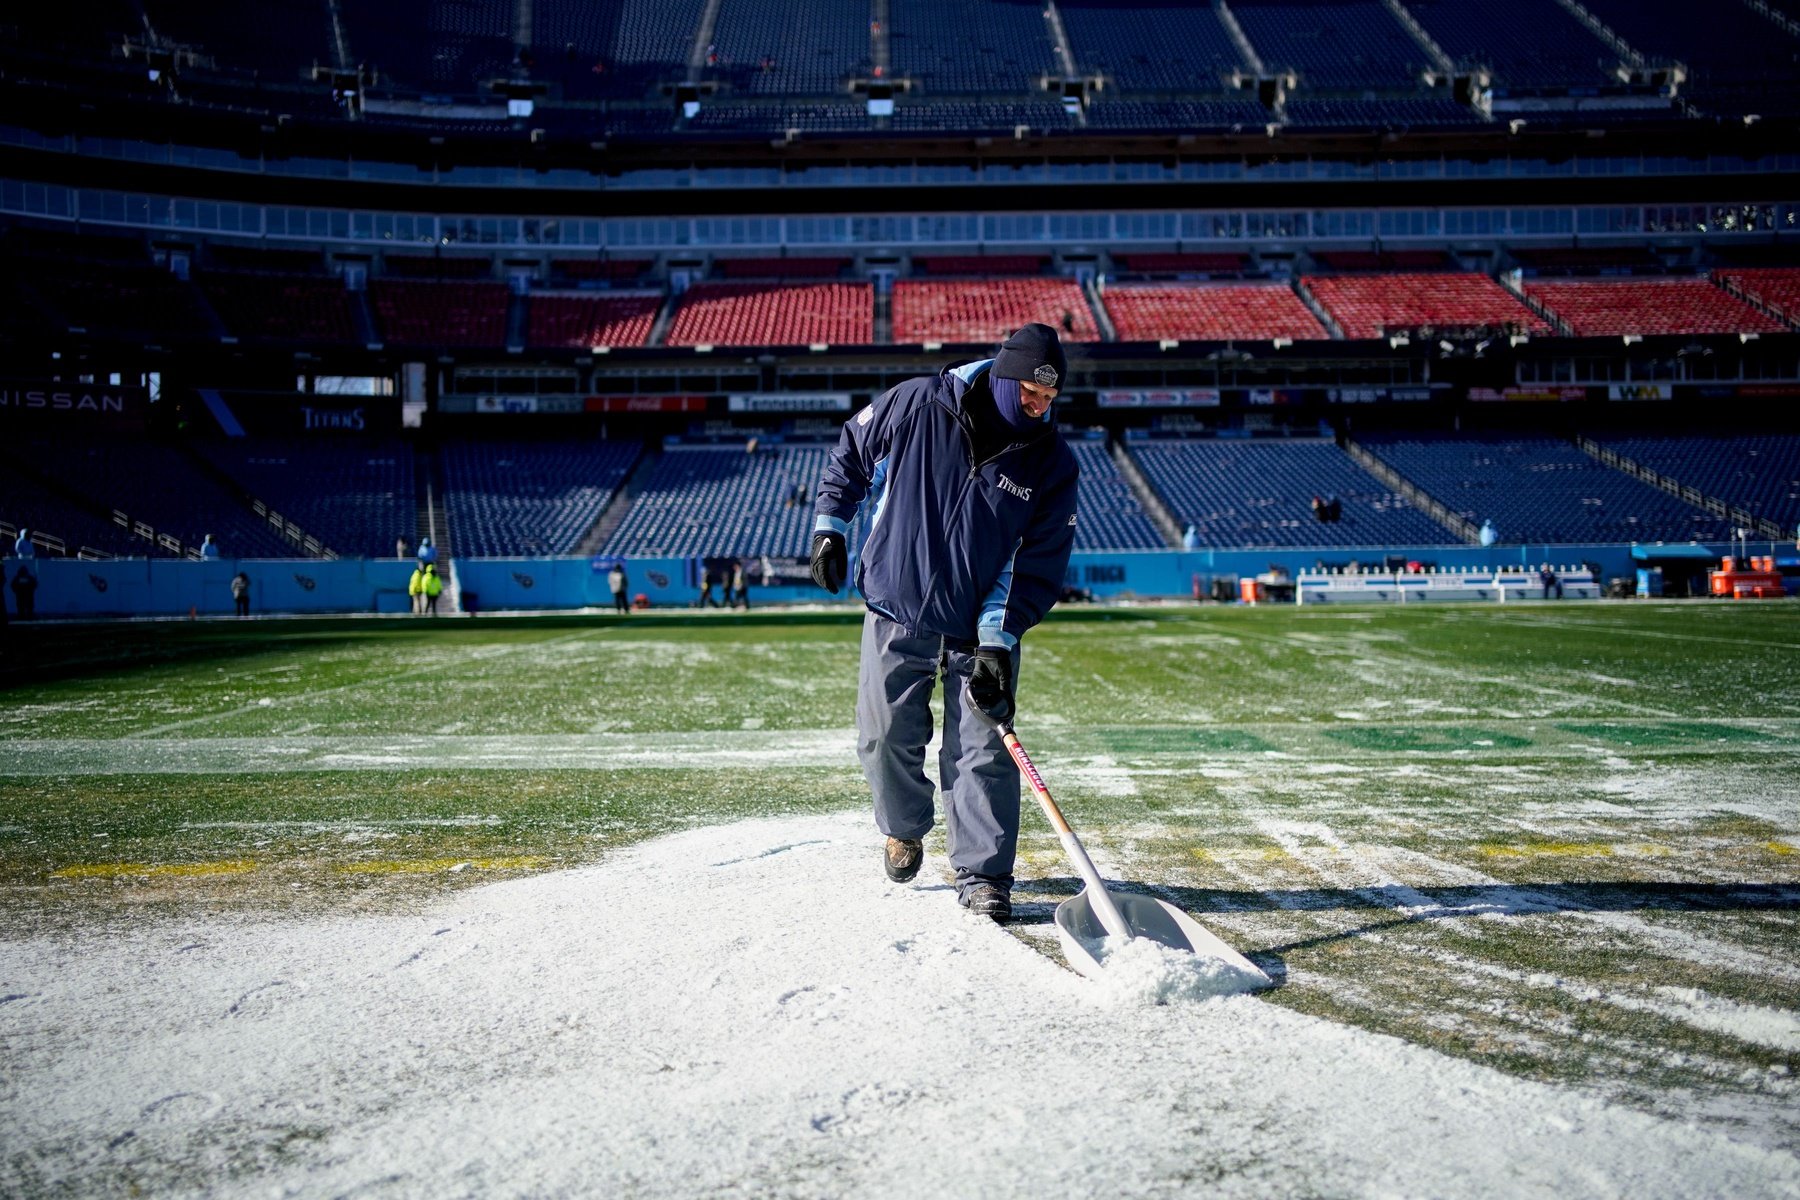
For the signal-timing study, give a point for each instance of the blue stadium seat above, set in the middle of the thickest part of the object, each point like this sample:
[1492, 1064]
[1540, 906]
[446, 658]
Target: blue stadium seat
[1539, 489]
[507, 499]
[1259, 493]
[1109, 516]
[1756, 472]
[356, 495]
[722, 501]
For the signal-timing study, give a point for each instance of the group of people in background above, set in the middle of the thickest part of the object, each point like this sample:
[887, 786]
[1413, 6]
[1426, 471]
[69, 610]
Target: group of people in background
[426, 585]
[733, 579]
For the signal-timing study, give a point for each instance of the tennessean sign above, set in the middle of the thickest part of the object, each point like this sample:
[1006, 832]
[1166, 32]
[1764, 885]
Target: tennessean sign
[789, 402]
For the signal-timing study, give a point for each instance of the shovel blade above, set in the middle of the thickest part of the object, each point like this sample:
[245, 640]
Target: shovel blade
[1082, 935]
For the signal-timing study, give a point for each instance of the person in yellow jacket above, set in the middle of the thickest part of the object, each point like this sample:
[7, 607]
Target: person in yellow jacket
[434, 586]
[415, 588]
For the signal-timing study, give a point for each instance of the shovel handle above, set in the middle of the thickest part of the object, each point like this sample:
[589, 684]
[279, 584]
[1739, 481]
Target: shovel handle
[1104, 908]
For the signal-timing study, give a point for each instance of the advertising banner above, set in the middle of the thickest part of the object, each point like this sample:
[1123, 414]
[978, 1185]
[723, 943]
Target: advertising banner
[1550, 394]
[1640, 391]
[645, 404]
[1168, 398]
[36, 402]
[789, 402]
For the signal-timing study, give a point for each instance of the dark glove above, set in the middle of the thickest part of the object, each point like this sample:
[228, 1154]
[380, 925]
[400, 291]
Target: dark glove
[991, 684]
[830, 560]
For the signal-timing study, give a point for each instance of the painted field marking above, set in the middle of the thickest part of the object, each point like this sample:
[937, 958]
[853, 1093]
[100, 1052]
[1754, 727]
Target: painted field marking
[132, 870]
[1782, 848]
[436, 669]
[1577, 850]
[427, 866]
[1251, 854]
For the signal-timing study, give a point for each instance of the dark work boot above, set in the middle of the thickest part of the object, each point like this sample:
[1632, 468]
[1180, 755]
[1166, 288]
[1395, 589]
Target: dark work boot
[902, 857]
[988, 900]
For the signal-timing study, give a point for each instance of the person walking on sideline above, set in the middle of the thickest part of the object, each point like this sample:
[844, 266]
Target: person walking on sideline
[615, 579]
[240, 593]
[415, 589]
[737, 588]
[434, 587]
[24, 590]
[973, 491]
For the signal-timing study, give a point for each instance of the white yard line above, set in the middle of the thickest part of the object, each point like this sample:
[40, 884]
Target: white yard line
[1664, 635]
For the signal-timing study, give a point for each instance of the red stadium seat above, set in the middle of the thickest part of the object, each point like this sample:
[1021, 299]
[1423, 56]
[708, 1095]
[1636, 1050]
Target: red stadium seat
[1215, 312]
[415, 313]
[988, 310]
[588, 319]
[773, 314]
[1371, 306]
[1601, 308]
[1776, 287]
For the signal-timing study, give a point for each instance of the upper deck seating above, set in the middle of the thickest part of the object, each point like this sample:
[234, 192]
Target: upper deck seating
[1524, 43]
[284, 308]
[1372, 306]
[589, 319]
[933, 310]
[415, 313]
[1211, 312]
[432, 45]
[771, 314]
[1151, 47]
[1353, 45]
[790, 47]
[1647, 307]
[1776, 287]
[622, 48]
[969, 48]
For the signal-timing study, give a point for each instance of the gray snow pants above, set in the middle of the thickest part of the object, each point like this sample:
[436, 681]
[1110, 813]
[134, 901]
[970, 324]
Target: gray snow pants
[977, 775]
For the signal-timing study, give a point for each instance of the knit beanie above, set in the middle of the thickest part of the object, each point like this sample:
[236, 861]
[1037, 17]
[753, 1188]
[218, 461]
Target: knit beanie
[1033, 353]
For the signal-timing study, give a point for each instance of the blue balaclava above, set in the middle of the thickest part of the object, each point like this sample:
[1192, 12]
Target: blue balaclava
[1033, 353]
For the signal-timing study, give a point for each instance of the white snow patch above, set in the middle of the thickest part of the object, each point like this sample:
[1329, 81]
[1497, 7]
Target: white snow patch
[749, 1009]
[1142, 971]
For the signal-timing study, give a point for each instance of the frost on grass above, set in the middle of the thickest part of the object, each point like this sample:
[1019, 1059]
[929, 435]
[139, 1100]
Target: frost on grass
[1141, 971]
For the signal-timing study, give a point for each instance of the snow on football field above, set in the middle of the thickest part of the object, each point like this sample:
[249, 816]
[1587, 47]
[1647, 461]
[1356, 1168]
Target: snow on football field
[744, 1008]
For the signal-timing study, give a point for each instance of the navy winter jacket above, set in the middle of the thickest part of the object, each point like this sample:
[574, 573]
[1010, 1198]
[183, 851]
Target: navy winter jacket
[974, 552]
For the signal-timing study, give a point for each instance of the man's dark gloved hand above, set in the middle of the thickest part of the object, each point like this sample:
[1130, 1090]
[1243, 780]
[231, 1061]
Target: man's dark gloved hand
[991, 683]
[830, 560]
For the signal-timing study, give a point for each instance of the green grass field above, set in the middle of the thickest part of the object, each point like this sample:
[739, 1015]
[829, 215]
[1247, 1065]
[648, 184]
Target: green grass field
[1562, 840]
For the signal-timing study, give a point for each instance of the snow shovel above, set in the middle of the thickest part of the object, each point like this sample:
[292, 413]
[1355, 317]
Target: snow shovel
[1095, 913]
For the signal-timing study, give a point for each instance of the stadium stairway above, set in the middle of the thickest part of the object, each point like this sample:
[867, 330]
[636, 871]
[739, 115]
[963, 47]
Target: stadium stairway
[517, 315]
[1415, 495]
[362, 319]
[1147, 496]
[1509, 281]
[620, 504]
[433, 521]
[1097, 305]
[1318, 310]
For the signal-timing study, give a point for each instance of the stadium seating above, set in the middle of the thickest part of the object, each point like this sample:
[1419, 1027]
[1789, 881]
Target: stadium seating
[928, 115]
[415, 313]
[969, 48]
[1524, 43]
[768, 314]
[1214, 312]
[355, 495]
[1756, 472]
[510, 498]
[28, 504]
[278, 41]
[1355, 45]
[1776, 287]
[1177, 116]
[1597, 308]
[1109, 516]
[1239, 492]
[588, 319]
[722, 501]
[159, 485]
[790, 47]
[1151, 47]
[932, 310]
[118, 300]
[623, 48]
[1542, 490]
[1370, 306]
[1734, 55]
[1388, 112]
[444, 46]
[285, 308]
[778, 117]
[437, 266]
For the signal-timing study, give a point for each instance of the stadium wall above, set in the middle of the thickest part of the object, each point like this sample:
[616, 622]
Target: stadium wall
[176, 587]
